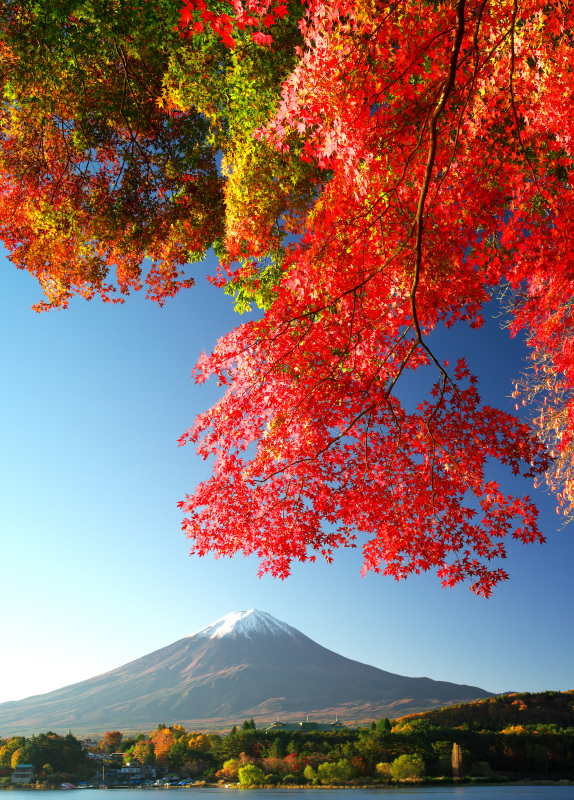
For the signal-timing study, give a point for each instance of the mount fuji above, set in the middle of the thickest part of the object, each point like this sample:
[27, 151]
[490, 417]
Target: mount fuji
[246, 664]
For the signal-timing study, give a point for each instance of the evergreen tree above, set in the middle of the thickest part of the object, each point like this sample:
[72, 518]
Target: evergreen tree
[384, 725]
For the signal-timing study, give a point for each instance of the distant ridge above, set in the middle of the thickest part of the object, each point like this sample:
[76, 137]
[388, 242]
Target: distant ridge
[246, 664]
[507, 709]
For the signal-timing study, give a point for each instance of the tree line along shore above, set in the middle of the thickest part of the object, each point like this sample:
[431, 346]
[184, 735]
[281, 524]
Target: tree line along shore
[510, 737]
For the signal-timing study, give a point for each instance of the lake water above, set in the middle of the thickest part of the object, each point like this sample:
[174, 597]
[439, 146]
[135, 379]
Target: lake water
[410, 792]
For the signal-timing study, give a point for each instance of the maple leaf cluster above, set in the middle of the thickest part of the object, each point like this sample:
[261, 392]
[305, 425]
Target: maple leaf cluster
[446, 131]
[386, 168]
[258, 14]
[95, 175]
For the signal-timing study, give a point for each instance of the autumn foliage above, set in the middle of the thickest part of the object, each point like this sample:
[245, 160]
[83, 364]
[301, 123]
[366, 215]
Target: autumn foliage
[95, 175]
[446, 182]
[162, 741]
[112, 740]
[386, 169]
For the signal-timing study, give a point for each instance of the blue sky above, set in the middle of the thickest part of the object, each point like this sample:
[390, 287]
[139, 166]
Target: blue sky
[95, 569]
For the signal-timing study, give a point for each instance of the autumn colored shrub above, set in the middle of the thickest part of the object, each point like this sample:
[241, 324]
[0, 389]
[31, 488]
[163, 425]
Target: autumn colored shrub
[407, 767]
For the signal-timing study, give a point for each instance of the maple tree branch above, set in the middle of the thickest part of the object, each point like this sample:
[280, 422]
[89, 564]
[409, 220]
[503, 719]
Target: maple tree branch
[512, 99]
[133, 136]
[416, 58]
[334, 439]
[418, 223]
[448, 87]
[432, 436]
[363, 412]
[401, 368]
[469, 83]
[317, 309]
[64, 168]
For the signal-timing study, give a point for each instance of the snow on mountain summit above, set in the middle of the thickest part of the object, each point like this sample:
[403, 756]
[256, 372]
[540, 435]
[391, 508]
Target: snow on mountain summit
[246, 623]
[246, 664]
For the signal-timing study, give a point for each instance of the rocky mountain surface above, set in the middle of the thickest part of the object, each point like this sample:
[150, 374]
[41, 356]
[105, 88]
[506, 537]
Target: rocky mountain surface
[247, 664]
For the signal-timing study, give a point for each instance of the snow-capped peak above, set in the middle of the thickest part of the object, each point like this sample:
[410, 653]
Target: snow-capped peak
[246, 623]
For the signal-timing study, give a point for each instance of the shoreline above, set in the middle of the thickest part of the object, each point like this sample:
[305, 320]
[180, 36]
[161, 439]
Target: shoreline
[402, 785]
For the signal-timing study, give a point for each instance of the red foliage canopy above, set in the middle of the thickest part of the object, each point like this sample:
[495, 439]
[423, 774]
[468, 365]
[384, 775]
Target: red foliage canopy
[447, 132]
[388, 168]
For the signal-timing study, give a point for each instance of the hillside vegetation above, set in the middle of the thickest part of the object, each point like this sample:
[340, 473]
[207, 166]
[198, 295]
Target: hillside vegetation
[504, 738]
[504, 711]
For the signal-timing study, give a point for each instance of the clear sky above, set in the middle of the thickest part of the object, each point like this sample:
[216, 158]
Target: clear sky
[95, 570]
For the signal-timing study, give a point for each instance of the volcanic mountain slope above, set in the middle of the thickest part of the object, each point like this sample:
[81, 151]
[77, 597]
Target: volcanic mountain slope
[245, 664]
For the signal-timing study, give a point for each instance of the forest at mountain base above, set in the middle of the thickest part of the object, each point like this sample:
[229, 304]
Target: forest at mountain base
[503, 738]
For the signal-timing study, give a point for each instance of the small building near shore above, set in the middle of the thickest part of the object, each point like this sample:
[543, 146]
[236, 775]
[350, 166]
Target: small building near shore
[136, 771]
[23, 773]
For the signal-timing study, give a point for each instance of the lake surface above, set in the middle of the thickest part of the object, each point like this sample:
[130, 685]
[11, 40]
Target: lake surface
[410, 792]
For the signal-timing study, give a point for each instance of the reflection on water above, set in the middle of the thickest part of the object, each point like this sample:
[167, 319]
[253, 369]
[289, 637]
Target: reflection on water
[421, 792]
